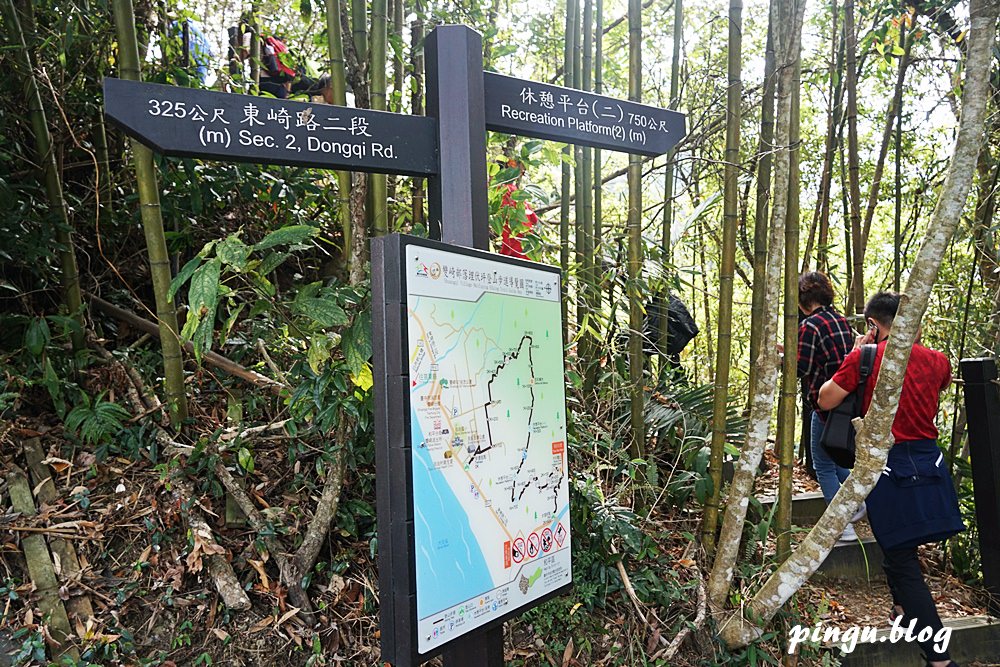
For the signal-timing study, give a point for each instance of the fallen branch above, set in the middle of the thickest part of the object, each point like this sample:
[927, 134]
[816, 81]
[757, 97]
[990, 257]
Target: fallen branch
[699, 620]
[214, 358]
[219, 569]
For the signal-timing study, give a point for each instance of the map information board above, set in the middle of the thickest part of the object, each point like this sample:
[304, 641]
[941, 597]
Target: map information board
[488, 439]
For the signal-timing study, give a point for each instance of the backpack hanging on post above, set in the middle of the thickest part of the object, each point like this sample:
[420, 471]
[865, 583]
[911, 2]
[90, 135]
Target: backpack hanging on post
[838, 431]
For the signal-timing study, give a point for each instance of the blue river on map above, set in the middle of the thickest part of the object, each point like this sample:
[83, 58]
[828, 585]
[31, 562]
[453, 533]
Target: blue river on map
[450, 565]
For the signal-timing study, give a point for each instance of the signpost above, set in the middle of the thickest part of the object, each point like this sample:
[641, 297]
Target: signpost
[545, 111]
[472, 470]
[187, 122]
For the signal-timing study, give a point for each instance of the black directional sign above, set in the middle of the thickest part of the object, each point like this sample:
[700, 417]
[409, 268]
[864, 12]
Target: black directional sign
[186, 122]
[544, 111]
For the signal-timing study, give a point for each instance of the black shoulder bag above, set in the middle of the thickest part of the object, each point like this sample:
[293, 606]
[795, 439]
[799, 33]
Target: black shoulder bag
[838, 431]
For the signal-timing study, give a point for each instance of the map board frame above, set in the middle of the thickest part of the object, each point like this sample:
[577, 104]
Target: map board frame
[393, 449]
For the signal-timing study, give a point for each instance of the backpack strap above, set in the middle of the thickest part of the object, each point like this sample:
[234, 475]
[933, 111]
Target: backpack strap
[865, 367]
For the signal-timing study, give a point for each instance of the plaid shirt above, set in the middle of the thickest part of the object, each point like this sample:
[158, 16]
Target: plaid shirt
[825, 338]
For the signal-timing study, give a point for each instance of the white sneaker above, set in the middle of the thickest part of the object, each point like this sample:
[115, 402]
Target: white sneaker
[860, 514]
[849, 535]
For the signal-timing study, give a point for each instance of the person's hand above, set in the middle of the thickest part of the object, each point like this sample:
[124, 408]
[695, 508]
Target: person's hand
[864, 339]
[781, 348]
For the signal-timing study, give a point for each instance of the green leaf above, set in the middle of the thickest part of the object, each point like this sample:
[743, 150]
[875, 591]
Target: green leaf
[319, 352]
[203, 295]
[358, 344]
[233, 252]
[289, 235]
[37, 336]
[245, 459]
[324, 312]
[364, 380]
[271, 262]
[182, 277]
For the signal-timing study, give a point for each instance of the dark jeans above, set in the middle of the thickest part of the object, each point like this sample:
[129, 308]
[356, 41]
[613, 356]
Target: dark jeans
[909, 591]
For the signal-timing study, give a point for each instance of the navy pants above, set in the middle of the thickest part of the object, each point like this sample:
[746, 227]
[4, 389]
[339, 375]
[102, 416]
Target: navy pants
[909, 591]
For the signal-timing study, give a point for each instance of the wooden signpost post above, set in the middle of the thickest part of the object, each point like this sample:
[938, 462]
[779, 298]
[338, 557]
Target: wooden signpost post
[472, 468]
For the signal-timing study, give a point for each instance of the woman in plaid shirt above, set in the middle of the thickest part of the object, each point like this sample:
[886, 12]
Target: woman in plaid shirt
[825, 338]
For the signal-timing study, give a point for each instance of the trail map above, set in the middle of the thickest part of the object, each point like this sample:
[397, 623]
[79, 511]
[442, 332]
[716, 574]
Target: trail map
[488, 429]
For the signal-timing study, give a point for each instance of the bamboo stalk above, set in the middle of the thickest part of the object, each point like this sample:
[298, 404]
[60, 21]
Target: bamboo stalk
[787, 431]
[152, 224]
[338, 89]
[572, 10]
[378, 196]
[663, 335]
[637, 439]
[727, 271]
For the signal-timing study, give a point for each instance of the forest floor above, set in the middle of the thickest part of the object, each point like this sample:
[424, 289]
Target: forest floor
[154, 605]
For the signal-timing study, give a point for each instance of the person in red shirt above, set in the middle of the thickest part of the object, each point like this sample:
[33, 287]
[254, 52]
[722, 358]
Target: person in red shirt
[914, 501]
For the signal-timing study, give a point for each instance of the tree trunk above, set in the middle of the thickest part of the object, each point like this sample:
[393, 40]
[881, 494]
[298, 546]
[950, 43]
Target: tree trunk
[338, 86]
[588, 342]
[152, 224]
[833, 117]
[378, 197]
[890, 120]
[787, 432]
[417, 104]
[787, 15]
[637, 440]
[598, 250]
[666, 242]
[731, 196]
[764, 159]
[47, 159]
[572, 12]
[874, 436]
[853, 166]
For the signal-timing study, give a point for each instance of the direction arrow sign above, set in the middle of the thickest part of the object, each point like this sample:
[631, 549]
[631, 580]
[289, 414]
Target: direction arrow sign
[187, 122]
[544, 111]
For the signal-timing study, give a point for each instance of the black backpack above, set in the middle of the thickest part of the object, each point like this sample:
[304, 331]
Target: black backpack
[838, 431]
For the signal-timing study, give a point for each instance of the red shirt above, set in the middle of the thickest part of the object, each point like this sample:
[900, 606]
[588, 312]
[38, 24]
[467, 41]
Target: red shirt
[927, 373]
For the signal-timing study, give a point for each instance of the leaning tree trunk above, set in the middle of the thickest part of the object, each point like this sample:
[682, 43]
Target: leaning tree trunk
[787, 16]
[53, 181]
[731, 205]
[874, 432]
[338, 86]
[152, 224]
[637, 439]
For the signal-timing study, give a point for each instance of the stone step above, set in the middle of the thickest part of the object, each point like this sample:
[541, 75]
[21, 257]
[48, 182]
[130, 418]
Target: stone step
[807, 508]
[857, 561]
[973, 639]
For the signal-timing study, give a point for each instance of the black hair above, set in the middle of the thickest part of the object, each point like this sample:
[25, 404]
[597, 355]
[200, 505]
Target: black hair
[815, 288]
[882, 307]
